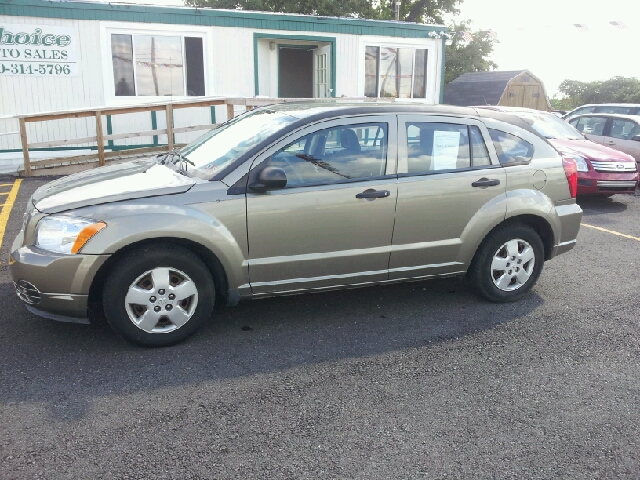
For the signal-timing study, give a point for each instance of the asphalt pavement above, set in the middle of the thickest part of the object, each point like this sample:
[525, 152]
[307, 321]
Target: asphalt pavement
[419, 380]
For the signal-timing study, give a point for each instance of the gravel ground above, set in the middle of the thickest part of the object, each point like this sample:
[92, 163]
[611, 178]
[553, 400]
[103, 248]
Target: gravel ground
[420, 380]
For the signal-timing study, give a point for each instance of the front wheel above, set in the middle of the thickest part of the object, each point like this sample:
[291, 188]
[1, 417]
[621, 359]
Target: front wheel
[158, 296]
[507, 263]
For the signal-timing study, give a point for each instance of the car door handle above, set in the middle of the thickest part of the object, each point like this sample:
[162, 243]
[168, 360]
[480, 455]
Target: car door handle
[371, 193]
[486, 182]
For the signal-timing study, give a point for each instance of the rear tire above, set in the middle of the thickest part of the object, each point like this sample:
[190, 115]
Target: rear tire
[158, 296]
[507, 264]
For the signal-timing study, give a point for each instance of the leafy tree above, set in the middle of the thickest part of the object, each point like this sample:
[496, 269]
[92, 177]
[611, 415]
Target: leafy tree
[615, 90]
[464, 56]
[422, 11]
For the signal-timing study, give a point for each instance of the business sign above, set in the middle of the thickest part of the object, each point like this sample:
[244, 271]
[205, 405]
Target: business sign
[38, 50]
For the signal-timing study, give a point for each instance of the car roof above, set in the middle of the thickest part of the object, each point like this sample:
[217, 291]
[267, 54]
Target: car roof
[608, 105]
[318, 110]
[514, 110]
[634, 118]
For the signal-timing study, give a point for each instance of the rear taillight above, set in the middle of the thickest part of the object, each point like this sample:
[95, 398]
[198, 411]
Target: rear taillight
[571, 171]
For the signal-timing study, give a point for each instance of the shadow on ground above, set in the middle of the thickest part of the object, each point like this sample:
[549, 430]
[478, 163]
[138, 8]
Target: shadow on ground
[259, 336]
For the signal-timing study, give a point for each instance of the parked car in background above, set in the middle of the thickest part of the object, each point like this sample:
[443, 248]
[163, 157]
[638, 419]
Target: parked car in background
[601, 170]
[621, 132]
[619, 108]
[294, 198]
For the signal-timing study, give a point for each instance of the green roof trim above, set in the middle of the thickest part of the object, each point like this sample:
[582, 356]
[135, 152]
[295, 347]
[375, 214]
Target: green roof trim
[209, 17]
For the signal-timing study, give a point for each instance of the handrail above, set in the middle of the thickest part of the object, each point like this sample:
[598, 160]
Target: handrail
[99, 138]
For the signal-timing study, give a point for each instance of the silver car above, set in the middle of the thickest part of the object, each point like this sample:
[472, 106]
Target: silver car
[297, 198]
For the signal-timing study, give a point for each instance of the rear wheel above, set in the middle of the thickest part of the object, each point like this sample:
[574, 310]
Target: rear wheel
[158, 296]
[507, 263]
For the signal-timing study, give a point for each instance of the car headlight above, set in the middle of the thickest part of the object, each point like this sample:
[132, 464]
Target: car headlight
[62, 234]
[581, 163]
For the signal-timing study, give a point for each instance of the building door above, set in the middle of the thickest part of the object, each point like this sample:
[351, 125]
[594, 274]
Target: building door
[295, 72]
[322, 72]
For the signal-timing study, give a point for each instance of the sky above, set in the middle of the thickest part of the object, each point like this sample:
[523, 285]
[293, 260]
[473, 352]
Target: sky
[540, 36]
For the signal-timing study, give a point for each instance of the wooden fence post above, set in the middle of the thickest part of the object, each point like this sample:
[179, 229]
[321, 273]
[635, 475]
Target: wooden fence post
[100, 138]
[25, 148]
[169, 110]
[230, 111]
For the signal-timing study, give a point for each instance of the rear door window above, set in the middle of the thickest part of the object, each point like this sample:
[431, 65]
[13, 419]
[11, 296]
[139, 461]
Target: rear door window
[510, 148]
[624, 129]
[433, 147]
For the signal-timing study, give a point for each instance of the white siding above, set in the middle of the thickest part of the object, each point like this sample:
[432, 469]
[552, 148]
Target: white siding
[229, 66]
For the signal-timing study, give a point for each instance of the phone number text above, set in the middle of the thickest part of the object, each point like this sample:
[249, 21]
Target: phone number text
[35, 69]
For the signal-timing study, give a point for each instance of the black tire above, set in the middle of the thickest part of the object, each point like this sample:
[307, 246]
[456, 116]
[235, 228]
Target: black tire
[480, 275]
[130, 267]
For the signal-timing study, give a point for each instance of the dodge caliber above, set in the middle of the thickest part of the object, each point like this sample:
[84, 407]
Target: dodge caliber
[295, 198]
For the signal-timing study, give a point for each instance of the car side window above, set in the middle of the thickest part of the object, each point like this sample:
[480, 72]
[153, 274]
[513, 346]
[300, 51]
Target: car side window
[510, 148]
[335, 154]
[582, 111]
[624, 129]
[615, 109]
[435, 146]
[479, 152]
[590, 125]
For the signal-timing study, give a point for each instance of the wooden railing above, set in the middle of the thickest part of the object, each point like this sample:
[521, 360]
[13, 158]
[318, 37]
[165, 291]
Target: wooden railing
[100, 138]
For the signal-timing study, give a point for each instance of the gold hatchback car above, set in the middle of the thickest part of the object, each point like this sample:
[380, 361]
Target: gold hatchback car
[295, 198]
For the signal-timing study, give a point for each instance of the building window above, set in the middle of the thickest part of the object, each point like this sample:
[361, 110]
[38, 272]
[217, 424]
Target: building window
[157, 65]
[395, 72]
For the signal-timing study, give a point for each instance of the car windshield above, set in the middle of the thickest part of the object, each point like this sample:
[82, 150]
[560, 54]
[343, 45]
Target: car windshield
[550, 126]
[212, 152]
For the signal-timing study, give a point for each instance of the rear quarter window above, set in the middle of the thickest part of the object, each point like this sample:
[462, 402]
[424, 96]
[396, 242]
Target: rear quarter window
[510, 148]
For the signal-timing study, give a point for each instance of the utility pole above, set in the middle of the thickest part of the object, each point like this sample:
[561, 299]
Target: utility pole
[396, 10]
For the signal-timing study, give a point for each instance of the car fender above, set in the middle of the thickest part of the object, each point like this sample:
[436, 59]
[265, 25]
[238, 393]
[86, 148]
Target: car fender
[137, 223]
[502, 208]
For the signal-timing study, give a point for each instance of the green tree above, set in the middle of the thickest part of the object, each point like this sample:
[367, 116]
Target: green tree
[615, 90]
[463, 56]
[422, 11]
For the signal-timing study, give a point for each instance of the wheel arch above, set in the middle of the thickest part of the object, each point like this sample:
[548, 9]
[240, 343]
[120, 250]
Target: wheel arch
[209, 259]
[541, 226]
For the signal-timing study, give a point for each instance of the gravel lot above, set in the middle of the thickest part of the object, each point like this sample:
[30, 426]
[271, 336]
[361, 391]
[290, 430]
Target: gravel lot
[421, 380]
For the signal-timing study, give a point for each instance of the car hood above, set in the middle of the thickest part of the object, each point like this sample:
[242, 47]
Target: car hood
[589, 150]
[113, 183]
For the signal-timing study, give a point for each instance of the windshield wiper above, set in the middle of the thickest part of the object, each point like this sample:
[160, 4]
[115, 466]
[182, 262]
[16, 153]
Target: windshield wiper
[173, 157]
[321, 164]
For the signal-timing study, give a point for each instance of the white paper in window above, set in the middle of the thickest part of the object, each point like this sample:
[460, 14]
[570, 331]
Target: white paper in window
[445, 150]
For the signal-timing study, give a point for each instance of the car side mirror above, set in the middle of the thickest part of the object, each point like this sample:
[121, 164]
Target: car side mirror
[269, 178]
[636, 138]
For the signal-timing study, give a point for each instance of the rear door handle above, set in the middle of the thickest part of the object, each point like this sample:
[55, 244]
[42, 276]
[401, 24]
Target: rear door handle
[486, 182]
[371, 193]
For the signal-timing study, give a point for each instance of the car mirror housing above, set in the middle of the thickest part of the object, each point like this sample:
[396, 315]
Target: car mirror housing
[269, 178]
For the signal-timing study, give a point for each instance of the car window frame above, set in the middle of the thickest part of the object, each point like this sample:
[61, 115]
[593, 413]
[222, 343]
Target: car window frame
[253, 165]
[403, 156]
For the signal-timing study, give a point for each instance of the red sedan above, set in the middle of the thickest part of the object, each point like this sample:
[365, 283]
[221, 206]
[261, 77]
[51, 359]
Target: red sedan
[601, 170]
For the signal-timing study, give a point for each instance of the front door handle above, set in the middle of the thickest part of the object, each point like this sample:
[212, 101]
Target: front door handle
[486, 182]
[371, 193]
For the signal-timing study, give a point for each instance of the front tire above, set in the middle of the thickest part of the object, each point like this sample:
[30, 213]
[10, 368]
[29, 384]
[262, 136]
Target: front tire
[158, 296]
[507, 263]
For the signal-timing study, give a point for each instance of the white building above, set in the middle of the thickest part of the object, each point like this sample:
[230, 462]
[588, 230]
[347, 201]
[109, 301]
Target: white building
[65, 55]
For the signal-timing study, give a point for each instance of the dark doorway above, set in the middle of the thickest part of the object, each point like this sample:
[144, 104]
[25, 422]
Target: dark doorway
[295, 73]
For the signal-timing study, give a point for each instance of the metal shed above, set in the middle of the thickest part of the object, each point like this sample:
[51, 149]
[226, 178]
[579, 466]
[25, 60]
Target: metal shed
[517, 88]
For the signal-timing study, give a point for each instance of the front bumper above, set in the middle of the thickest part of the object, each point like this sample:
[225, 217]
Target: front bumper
[599, 183]
[54, 283]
